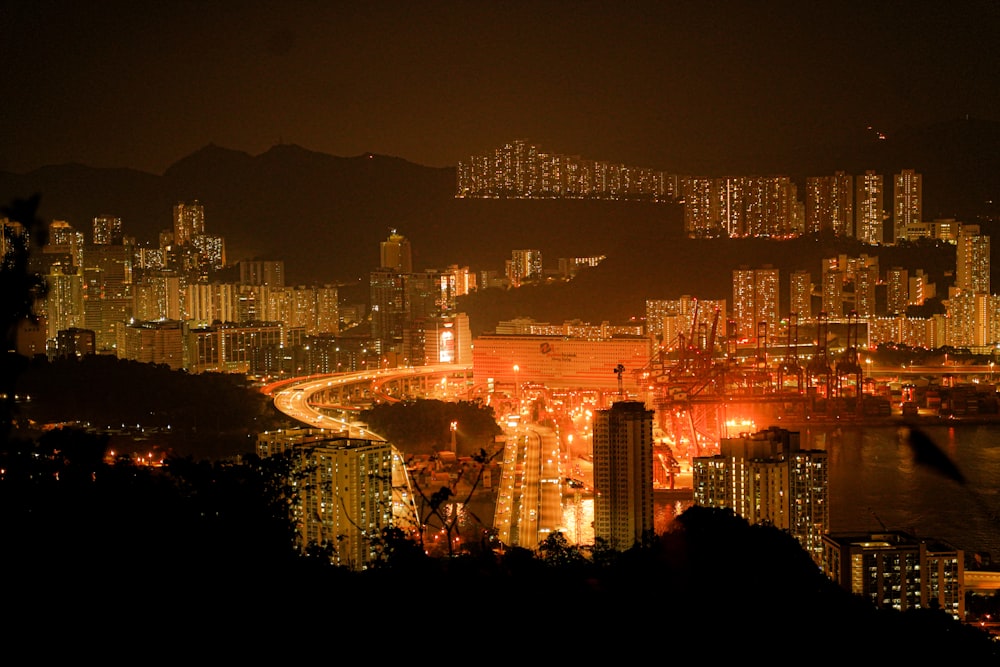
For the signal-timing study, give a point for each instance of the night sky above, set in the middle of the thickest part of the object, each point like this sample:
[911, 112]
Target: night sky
[668, 85]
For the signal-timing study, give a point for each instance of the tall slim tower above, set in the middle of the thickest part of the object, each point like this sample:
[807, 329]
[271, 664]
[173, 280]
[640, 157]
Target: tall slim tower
[395, 253]
[907, 198]
[972, 260]
[869, 193]
[800, 294]
[623, 474]
[189, 222]
[897, 295]
[755, 299]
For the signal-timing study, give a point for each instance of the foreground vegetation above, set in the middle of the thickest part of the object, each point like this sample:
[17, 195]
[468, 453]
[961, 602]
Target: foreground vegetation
[97, 547]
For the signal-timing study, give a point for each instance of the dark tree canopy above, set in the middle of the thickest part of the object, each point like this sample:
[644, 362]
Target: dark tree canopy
[424, 425]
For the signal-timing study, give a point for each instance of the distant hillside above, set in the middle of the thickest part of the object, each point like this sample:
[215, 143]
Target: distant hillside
[325, 215]
[618, 288]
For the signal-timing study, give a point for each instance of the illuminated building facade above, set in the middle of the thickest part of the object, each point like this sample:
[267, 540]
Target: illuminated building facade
[559, 362]
[524, 265]
[897, 293]
[800, 294]
[63, 304]
[830, 204]
[64, 239]
[153, 343]
[522, 170]
[212, 251]
[972, 260]
[344, 490]
[108, 275]
[388, 308]
[242, 344]
[108, 230]
[744, 206]
[755, 299]
[395, 253]
[907, 198]
[270, 273]
[849, 284]
[74, 342]
[895, 570]
[833, 292]
[211, 302]
[438, 340]
[570, 266]
[189, 222]
[157, 296]
[869, 207]
[623, 474]
[766, 477]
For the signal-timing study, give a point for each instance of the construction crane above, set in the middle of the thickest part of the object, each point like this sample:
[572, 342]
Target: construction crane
[848, 364]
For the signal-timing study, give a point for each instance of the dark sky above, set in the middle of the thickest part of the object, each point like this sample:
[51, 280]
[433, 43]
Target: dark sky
[669, 85]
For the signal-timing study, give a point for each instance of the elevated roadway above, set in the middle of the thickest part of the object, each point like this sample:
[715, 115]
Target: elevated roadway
[328, 400]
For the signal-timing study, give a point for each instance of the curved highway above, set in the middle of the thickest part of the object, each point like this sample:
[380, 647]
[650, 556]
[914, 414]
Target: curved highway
[293, 397]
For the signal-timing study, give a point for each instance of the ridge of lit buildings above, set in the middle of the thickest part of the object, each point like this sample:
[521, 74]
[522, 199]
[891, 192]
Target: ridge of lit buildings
[733, 206]
[520, 169]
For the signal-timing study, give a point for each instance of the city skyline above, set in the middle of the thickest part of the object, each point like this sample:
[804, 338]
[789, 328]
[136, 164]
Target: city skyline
[682, 87]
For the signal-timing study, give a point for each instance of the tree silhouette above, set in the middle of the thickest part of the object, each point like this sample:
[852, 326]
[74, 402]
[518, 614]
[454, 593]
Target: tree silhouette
[19, 289]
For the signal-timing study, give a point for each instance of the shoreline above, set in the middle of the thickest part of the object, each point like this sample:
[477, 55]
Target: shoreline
[895, 420]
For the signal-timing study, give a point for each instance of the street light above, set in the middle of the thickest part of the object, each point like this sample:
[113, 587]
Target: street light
[517, 386]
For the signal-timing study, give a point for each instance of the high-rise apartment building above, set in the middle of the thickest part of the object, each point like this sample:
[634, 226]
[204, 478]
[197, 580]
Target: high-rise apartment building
[157, 296]
[895, 570]
[830, 204]
[108, 230]
[897, 290]
[206, 303]
[907, 202]
[344, 493]
[766, 477]
[972, 260]
[832, 288]
[623, 474]
[189, 222]
[800, 294]
[153, 343]
[524, 265]
[755, 299]
[262, 272]
[869, 208]
[865, 281]
[63, 304]
[746, 206]
[65, 240]
[388, 308]
[395, 253]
